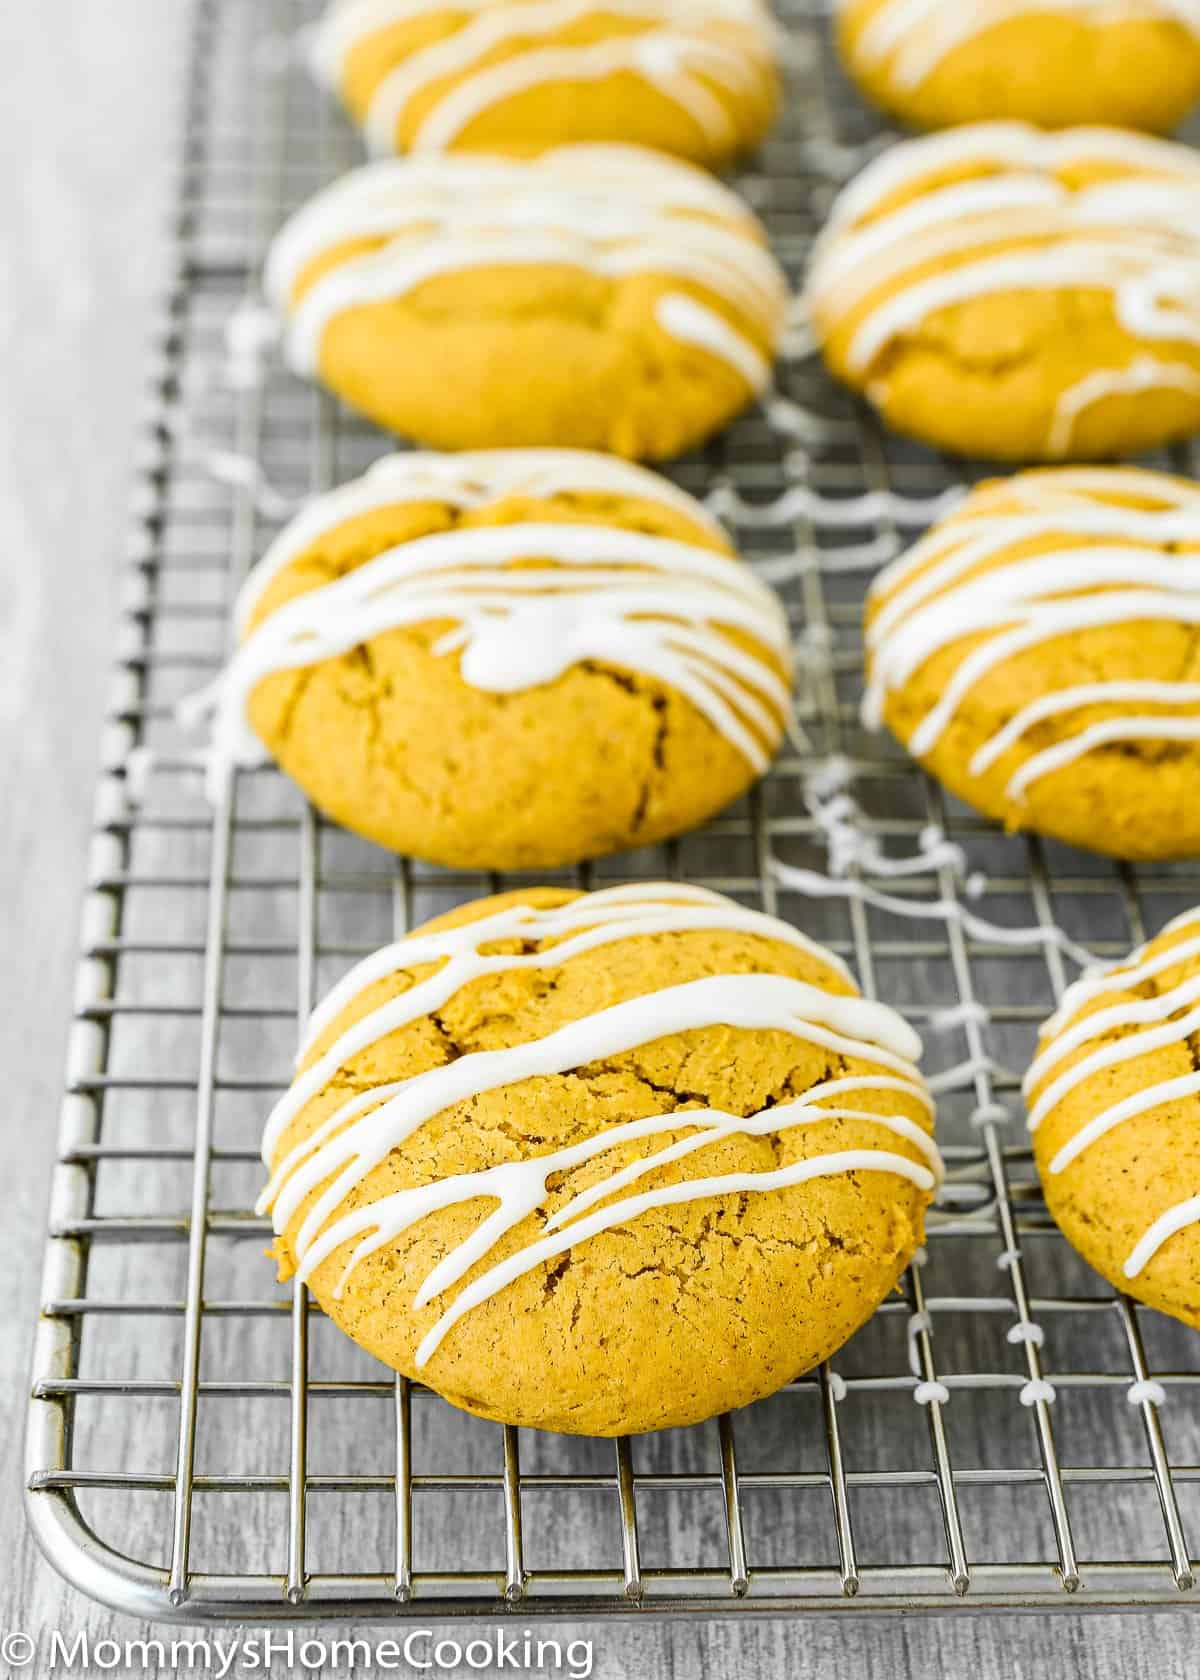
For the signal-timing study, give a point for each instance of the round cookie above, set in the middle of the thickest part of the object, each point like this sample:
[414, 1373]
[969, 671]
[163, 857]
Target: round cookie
[695, 78]
[1055, 63]
[1036, 651]
[999, 291]
[601, 1162]
[506, 661]
[599, 297]
[1114, 1108]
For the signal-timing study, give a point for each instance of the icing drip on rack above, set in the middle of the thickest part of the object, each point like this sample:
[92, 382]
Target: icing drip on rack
[681, 49]
[1144, 1025]
[614, 211]
[849, 843]
[338, 1156]
[992, 208]
[811, 884]
[527, 601]
[919, 35]
[1110, 564]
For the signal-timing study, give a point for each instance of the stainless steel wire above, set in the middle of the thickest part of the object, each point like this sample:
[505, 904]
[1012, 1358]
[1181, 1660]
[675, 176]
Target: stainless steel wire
[201, 1444]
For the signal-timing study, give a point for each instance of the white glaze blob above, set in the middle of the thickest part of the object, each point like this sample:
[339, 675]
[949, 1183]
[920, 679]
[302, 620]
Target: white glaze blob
[1121, 1032]
[359, 1133]
[936, 595]
[614, 211]
[582, 592]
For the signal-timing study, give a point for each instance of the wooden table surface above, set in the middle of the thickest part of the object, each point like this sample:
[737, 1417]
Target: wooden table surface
[85, 120]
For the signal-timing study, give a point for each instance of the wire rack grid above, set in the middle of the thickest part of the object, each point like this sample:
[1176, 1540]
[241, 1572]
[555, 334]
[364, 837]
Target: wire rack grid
[202, 1443]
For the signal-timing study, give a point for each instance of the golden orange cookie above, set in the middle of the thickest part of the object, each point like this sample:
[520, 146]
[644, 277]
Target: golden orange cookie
[1037, 652]
[597, 297]
[601, 1163]
[1114, 1107]
[995, 290]
[507, 660]
[693, 77]
[1056, 63]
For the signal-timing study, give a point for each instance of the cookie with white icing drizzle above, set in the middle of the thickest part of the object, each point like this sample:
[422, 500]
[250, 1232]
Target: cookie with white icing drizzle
[509, 659]
[1114, 1109]
[997, 290]
[598, 297]
[602, 1162]
[695, 78]
[1037, 651]
[1056, 63]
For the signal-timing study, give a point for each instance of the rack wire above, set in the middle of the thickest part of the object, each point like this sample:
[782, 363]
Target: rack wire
[202, 1443]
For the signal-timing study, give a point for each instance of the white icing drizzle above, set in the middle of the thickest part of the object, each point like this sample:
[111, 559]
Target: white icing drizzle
[1014, 225]
[251, 333]
[468, 479]
[851, 847]
[801, 503]
[1144, 373]
[1130, 971]
[685, 47]
[362, 1131]
[918, 35]
[1145, 1025]
[607, 916]
[682, 318]
[244, 473]
[643, 603]
[936, 596]
[814, 885]
[971, 1013]
[1175, 1219]
[613, 211]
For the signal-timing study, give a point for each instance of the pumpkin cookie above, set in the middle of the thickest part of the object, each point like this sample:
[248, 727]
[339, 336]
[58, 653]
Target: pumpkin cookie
[506, 661]
[692, 77]
[1114, 1108]
[601, 1163]
[1037, 652]
[999, 291]
[939, 63]
[601, 297]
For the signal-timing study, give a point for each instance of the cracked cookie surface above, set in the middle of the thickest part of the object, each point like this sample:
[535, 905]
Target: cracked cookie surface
[648, 1054]
[695, 78]
[597, 297]
[1039, 653]
[1114, 1101]
[507, 660]
[1001, 291]
[939, 63]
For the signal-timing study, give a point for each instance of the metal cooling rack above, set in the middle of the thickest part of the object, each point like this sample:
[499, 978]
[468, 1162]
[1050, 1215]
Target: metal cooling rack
[205, 1445]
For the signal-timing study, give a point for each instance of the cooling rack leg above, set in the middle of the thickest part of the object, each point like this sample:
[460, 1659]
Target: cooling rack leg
[402, 1404]
[222, 834]
[630, 1548]
[739, 1578]
[837, 1483]
[514, 1546]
